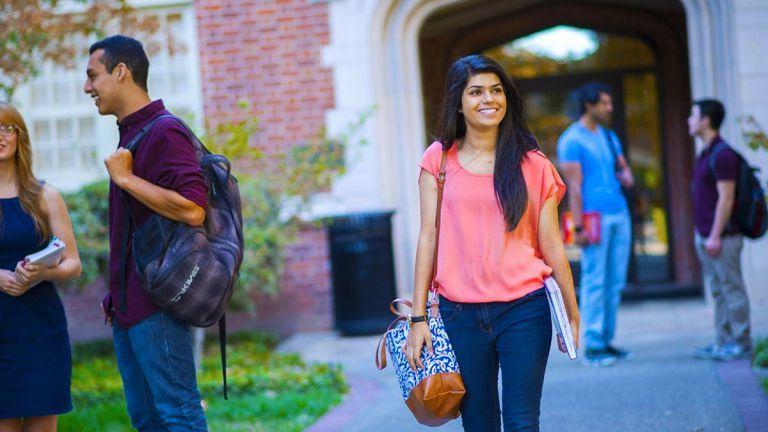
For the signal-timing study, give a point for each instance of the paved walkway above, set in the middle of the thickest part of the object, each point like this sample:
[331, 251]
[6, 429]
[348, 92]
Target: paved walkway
[662, 389]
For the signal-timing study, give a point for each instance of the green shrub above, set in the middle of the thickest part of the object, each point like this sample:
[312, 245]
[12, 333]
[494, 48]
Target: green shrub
[89, 211]
[761, 353]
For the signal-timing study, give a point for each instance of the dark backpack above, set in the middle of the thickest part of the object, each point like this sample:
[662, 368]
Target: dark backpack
[749, 212]
[190, 272]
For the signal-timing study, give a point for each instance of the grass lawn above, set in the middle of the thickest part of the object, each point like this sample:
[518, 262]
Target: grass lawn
[267, 391]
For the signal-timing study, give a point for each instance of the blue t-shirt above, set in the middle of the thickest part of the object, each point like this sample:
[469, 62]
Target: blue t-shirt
[600, 189]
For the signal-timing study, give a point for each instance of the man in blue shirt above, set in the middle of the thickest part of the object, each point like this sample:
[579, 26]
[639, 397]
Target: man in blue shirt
[595, 170]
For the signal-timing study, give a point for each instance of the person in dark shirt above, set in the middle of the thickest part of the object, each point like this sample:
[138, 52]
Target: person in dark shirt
[718, 241]
[153, 349]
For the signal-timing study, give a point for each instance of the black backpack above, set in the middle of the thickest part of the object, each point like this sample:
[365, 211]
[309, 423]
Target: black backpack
[749, 212]
[190, 272]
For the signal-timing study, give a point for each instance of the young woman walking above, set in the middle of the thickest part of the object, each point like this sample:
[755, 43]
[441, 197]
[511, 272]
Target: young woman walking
[35, 361]
[499, 240]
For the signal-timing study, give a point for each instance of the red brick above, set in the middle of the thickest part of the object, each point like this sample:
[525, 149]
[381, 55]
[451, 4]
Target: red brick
[269, 54]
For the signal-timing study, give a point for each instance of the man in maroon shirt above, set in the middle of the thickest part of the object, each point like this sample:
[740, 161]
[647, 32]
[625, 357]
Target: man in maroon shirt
[153, 349]
[718, 240]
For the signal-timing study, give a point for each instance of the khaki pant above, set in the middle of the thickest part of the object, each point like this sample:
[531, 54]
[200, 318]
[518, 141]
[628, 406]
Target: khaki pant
[722, 278]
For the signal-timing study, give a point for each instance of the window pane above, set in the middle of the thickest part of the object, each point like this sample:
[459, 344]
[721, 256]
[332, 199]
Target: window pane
[39, 93]
[156, 83]
[64, 130]
[179, 84]
[87, 157]
[41, 131]
[67, 157]
[44, 160]
[87, 127]
[62, 93]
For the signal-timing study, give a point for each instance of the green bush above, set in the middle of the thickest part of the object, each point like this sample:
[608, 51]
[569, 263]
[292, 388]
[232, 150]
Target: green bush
[268, 390]
[761, 353]
[89, 211]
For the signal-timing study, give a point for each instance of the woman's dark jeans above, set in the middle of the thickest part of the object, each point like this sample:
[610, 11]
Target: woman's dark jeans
[515, 335]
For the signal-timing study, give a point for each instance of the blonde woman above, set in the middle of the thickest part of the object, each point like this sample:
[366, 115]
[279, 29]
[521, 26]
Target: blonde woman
[35, 360]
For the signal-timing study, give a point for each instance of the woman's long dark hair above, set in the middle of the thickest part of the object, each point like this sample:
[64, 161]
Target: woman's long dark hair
[514, 139]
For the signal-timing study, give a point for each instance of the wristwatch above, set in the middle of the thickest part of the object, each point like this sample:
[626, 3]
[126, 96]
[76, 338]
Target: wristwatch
[416, 319]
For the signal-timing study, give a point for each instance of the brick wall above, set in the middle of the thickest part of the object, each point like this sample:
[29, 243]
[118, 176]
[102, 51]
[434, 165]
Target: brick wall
[305, 301]
[268, 53]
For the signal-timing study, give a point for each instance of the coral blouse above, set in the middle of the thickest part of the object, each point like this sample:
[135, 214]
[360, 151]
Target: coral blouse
[478, 259]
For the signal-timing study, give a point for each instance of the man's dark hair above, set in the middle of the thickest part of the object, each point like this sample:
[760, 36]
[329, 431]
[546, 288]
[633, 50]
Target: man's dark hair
[589, 93]
[713, 109]
[129, 51]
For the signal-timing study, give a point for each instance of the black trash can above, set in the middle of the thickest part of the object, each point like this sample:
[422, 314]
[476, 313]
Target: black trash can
[363, 272]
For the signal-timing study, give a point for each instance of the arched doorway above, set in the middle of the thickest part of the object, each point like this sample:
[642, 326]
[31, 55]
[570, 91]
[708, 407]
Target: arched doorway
[397, 64]
[640, 49]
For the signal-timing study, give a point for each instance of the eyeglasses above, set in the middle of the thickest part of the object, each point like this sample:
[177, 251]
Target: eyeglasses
[7, 130]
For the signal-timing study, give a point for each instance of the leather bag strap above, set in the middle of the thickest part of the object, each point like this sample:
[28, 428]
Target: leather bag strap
[438, 212]
[381, 347]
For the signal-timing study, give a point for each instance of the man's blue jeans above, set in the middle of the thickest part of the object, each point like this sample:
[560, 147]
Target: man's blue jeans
[603, 277]
[514, 336]
[156, 363]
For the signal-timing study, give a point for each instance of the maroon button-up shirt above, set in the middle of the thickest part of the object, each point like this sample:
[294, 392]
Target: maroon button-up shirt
[166, 158]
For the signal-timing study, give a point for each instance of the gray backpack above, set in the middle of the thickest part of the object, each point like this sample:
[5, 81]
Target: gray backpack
[190, 272]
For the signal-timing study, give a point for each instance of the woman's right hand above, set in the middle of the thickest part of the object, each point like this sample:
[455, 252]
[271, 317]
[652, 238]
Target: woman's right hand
[10, 284]
[418, 337]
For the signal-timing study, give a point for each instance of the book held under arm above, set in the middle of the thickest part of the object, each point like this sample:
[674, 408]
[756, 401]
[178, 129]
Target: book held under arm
[560, 320]
[48, 257]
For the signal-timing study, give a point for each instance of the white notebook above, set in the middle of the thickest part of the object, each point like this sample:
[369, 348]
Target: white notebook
[560, 318]
[49, 256]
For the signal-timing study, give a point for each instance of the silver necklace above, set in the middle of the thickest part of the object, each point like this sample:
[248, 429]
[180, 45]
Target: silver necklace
[486, 161]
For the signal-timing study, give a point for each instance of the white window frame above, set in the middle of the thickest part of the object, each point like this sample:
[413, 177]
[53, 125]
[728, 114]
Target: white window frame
[187, 100]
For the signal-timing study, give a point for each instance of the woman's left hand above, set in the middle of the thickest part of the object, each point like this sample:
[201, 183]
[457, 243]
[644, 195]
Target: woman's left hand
[29, 275]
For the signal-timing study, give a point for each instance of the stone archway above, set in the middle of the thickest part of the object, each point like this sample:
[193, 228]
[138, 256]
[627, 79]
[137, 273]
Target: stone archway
[663, 29]
[392, 64]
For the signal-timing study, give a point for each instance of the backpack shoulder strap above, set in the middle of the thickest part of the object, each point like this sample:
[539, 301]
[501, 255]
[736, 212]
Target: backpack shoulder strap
[611, 146]
[713, 157]
[129, 221]
[223, 349]
[133, 144]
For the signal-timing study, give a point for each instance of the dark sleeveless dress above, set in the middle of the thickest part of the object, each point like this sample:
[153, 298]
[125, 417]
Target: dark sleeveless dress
[35, 357]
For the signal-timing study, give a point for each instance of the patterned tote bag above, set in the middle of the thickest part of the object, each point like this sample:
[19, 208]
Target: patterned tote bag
[434, 393]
